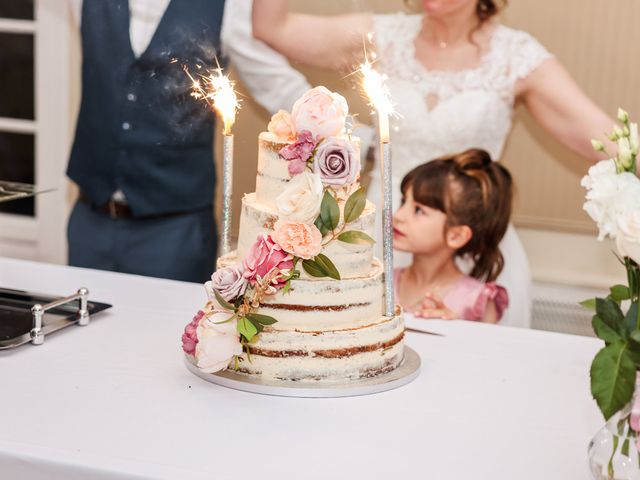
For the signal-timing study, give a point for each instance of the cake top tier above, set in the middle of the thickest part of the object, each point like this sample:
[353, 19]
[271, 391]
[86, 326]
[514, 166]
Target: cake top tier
[315, 138]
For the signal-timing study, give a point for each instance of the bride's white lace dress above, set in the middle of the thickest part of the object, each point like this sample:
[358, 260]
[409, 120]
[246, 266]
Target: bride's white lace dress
[444, 112]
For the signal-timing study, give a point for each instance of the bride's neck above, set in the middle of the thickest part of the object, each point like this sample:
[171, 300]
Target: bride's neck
[449, 29]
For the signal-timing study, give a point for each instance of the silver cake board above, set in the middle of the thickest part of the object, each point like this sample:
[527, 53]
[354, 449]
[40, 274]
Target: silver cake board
[408, 370]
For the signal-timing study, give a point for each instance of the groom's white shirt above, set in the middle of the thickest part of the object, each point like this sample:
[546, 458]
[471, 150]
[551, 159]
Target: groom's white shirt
[267, 74]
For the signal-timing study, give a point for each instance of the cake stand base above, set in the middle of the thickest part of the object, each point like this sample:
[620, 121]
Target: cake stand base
[408, 370]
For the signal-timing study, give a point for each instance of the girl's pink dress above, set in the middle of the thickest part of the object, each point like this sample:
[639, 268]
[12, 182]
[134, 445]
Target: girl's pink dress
[468, 297]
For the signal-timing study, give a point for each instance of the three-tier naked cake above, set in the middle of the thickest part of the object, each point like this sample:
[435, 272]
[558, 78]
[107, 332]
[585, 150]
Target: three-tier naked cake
[301, 299]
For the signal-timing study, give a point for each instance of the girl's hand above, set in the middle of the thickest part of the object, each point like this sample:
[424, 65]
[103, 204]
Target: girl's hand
[433, 307]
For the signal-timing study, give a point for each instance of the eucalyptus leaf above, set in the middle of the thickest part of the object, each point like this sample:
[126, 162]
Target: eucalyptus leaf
[223, 303]
[620, 293]
[355, 237]
[613, 374]
[262, 319]
[609, 311]
[246, 328]
[604, 331]
[355, 205]
[329, 211]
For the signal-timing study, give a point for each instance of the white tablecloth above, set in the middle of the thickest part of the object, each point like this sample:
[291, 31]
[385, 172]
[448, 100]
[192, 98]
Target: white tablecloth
[114, 401]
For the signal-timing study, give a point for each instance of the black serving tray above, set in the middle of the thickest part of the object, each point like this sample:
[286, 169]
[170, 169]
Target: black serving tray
[16, 319]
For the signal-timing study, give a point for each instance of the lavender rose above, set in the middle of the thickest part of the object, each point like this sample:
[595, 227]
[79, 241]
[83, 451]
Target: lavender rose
[228, 282]
[336, 161]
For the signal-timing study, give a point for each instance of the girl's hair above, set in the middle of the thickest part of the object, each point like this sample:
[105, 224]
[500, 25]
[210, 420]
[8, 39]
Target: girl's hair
[471, 190]
[485, 9]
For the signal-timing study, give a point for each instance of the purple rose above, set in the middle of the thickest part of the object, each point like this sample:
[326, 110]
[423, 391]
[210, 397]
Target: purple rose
[337, 162]
[228, 282]
[298, 152]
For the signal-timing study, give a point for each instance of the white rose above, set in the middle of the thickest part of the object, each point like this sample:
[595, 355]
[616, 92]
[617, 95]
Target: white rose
[320, 111]
[300, 201]
[217, 343]
[628, 248]
[628, 239]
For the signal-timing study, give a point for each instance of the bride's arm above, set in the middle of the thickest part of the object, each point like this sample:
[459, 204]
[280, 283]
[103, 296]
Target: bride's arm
[323, 42]
[556, 101]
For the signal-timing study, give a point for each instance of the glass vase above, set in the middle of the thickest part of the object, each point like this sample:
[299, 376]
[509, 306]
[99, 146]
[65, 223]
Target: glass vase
[613, 454]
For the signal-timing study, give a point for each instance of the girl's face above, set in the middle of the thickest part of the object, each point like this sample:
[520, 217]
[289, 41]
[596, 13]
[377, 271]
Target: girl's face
[437, 8]
[418, 228]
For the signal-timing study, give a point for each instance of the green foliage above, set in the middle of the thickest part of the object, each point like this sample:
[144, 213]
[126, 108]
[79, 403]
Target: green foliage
[613, 374]
[321, 267]
[246, 328]
[355, 237]
[355, 205]
[329, 211]
[223, 303]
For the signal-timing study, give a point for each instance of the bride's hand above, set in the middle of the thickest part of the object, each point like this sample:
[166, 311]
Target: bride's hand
[432, 306]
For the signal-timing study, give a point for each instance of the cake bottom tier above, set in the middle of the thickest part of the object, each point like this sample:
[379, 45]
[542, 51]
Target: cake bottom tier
[332, 356]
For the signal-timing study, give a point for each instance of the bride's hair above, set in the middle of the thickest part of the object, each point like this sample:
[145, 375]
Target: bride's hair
[485, 9]
[471, 190]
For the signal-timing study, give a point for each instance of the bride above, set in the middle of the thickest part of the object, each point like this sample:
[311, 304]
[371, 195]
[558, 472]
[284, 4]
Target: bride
[455, 74]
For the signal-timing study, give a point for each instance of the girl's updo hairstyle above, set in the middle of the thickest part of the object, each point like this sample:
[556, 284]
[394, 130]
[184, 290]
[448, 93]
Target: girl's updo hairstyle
[472, 190]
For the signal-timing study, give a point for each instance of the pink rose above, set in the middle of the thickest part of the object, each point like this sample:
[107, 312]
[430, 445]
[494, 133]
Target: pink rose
[281, 125]
[337, 162]
[320, 111]
[265, 257]
[299, 152]
[299, 239]
[190, 336]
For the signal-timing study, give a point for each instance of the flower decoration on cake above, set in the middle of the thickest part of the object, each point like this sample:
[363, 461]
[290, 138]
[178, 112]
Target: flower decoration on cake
[299, 152]
[320, 111]
[301, 199]
[319, 202]
[281, 125]
[337, 162]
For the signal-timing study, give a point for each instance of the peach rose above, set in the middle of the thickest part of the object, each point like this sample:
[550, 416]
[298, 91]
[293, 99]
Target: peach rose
[299, 239]
[281, 125]
[320, 111]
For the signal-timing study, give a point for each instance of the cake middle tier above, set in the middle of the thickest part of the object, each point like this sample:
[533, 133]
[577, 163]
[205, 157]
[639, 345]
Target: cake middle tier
[324, 304]
[352, 261]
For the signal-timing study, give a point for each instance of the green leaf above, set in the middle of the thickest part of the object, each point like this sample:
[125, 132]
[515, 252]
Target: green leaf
[287, 287]
[610, 313]
[223, 303]
[257, 325]
[328, 266]
[604, 331]
[321, 267]
[613, 376]
[620, 293]
[589, 304]
[329, 211]
[262, 319]
[246, 328]
[355, 205]
[631, 319]
[321, 226]
[355, 237]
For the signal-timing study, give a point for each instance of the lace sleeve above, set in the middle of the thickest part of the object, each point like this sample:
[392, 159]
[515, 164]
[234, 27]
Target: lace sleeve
[527, 54]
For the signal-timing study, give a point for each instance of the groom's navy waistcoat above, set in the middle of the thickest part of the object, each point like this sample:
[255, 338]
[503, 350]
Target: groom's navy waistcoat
[139, 130]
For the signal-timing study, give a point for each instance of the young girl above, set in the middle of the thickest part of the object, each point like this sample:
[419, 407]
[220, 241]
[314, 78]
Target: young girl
[453, 207]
